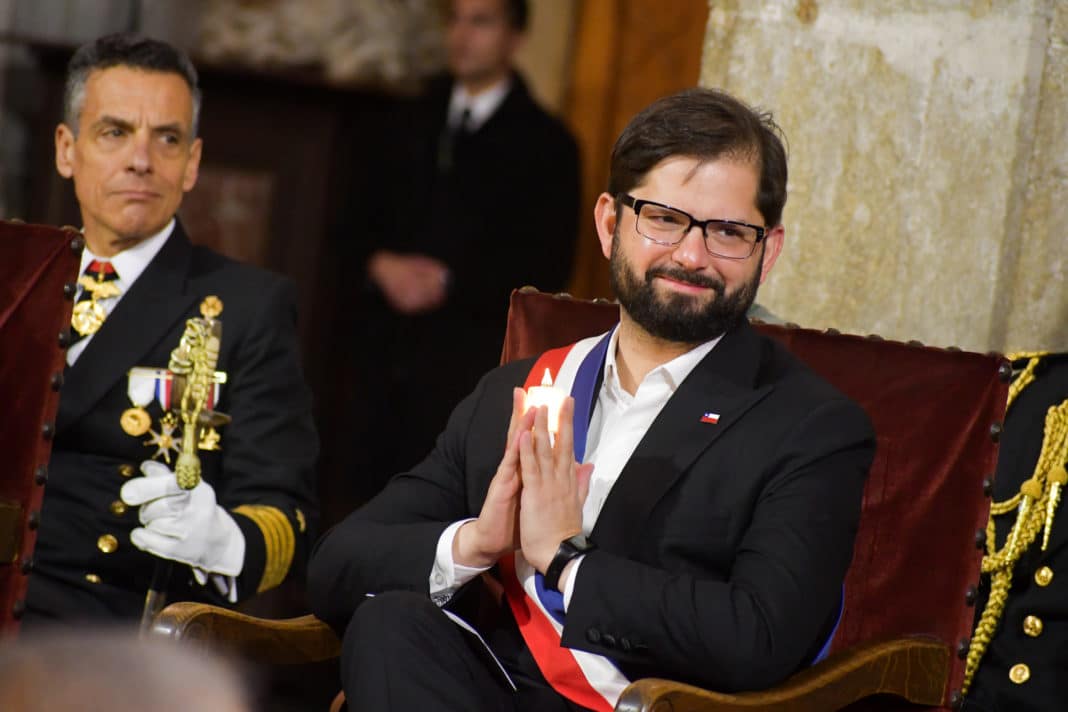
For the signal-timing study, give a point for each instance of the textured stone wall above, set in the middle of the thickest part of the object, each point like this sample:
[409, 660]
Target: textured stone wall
[928, 155]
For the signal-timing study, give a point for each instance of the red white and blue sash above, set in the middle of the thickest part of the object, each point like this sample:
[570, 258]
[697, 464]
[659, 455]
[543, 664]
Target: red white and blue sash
[587, 679]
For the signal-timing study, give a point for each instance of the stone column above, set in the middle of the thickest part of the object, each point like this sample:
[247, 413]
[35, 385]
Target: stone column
[929, 158]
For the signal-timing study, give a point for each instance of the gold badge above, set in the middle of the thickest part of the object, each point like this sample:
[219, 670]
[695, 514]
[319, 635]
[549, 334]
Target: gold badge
[211, 307]
[210, 440]
[87, 317]
[135, 421]
[165, 440]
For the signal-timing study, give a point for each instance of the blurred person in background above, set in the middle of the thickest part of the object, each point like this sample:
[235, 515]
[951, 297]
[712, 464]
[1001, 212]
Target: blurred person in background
[478, 194]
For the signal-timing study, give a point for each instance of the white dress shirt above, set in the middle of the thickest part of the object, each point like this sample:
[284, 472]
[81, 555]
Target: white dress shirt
[128, 264]
[481, 106]
[619, 422]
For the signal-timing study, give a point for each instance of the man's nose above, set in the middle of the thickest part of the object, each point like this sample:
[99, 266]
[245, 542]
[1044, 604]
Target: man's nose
[140, 159]
[691, 252]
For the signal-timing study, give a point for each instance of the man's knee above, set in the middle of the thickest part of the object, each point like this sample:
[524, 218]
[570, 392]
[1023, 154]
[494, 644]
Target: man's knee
[390, 616]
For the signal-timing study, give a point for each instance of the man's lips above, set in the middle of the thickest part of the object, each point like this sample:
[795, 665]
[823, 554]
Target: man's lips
[693, 284]
[135, 194]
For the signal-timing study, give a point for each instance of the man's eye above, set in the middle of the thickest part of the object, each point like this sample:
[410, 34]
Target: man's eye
[666, 219]
[730, 232]
[113, 132]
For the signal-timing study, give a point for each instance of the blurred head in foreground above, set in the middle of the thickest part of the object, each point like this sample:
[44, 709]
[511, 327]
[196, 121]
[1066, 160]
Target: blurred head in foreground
[114, 671]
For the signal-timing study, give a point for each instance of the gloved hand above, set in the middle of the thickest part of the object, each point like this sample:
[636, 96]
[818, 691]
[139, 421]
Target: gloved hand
[184, 525]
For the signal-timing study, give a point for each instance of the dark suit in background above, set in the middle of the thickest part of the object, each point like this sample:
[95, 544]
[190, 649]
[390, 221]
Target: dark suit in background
[721, 549]
[267, 454]
[500, 207]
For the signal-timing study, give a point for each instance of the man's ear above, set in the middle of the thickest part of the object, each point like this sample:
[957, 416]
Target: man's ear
[772, 247]
[604, 217]
[192, 168]
[64, 151]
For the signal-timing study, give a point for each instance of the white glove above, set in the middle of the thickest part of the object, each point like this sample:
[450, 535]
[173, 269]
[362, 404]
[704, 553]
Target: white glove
[184, 525]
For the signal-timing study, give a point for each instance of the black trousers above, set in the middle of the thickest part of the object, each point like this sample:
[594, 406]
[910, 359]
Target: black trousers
[401, 652]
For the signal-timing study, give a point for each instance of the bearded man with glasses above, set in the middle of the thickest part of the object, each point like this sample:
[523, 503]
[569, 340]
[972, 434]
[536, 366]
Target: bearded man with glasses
[692, 516]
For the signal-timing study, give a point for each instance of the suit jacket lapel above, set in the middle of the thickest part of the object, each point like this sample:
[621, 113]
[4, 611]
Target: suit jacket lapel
[723, 383]
[141, 318]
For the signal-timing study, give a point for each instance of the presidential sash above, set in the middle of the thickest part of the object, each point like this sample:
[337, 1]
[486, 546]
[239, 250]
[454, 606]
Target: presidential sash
[587, 679]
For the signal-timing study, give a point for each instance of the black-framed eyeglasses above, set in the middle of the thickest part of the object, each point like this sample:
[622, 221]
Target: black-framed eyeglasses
[665, 225]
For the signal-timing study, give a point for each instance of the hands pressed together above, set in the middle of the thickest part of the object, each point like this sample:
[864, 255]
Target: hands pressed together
[535, 498]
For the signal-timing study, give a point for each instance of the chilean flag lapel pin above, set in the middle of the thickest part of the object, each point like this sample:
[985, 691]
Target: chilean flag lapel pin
[710, 417]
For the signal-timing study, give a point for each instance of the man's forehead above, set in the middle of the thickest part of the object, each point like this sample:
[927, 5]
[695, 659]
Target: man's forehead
[686, 167]
[484, 9]
[125, 92]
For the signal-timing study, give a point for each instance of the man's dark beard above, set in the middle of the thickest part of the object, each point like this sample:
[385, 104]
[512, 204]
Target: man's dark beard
[676, 317]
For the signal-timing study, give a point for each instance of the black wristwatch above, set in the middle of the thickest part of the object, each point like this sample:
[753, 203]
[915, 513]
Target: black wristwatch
[570, 548]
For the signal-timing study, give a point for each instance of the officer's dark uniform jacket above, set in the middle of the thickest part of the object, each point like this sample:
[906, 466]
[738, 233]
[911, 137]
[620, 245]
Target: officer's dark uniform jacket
[1025, 667]
[85, 564]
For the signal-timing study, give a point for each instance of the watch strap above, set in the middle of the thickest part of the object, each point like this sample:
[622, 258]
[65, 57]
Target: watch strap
[569, 549]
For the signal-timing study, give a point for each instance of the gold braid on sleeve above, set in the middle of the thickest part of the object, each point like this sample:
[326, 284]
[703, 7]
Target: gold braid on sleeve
[1035, 506]
[278, 540]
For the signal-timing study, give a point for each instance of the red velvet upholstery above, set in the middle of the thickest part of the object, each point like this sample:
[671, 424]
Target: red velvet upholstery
[933, 410]
[34, 308]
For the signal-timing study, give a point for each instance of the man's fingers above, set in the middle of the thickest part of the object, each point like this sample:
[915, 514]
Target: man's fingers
[155, 543]
[151, 468]
[528, 462]
[583, 473]
[564, 448]
[543, 447]
[163, 507]
[145, 489]
[518, 398]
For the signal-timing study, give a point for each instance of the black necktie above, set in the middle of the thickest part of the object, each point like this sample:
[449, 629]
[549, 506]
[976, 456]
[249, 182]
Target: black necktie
[450, 137]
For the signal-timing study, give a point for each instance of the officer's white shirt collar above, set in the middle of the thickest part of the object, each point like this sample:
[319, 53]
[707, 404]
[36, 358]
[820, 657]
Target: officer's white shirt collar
[130, 263]
[482, 105]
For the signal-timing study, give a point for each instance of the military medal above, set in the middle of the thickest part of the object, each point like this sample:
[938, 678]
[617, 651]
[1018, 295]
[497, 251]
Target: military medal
[165, 440]
[88, 315]
[135, 421]
[142, 385]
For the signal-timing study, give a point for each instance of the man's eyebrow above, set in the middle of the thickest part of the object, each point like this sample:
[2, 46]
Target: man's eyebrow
[108, 120]
[172, 127]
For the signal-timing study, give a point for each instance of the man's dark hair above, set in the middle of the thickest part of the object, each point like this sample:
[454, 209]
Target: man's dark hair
[124, 50]
[704, 124]
[518, 14]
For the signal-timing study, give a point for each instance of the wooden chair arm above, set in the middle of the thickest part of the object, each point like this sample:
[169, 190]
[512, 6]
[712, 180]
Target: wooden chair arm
[282, 642]
[913, 668]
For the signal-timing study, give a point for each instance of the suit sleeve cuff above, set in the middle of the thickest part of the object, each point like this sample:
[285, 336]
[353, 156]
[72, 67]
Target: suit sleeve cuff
[446, 576]
[569, 584]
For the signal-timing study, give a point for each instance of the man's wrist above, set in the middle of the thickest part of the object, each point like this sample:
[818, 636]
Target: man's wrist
[570, 549]
[465, 552]
[568, 572]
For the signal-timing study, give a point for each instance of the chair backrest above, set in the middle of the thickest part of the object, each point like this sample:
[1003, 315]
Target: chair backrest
[40, 266]
[937, 414]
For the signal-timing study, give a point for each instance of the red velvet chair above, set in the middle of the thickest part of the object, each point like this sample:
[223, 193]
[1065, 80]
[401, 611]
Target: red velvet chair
[911, 588]
[40, 265]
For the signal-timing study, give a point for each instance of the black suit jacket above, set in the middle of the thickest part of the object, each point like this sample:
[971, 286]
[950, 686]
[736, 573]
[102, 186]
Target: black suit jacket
[503, 213]
[268, 450]
[721, 548]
